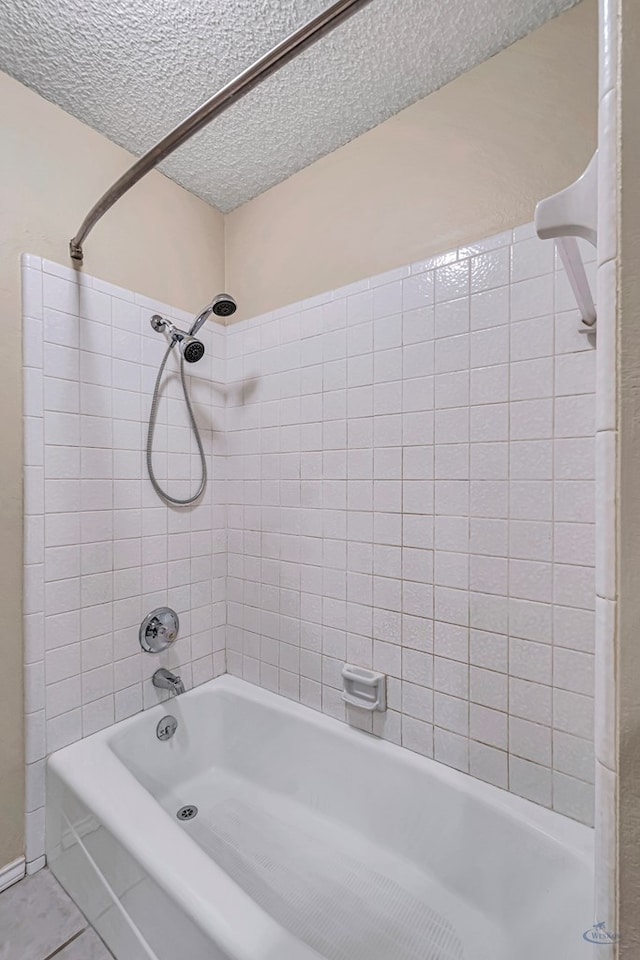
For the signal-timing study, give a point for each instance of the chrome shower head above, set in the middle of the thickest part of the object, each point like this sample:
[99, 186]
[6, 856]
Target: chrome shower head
[222, 305]
[191, 349]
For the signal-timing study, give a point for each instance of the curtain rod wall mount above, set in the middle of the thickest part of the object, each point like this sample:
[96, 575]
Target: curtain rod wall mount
[270, 63]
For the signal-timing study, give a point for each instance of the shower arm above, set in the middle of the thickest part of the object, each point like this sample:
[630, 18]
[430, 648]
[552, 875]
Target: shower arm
[277, 57]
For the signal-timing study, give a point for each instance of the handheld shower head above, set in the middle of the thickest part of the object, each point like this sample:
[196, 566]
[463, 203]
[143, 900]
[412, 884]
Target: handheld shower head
[222, 305]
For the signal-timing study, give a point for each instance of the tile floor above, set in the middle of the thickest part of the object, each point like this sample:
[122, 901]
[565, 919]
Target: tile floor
[38, 921]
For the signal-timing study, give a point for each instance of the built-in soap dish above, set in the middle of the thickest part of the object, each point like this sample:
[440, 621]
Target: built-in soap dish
[364, 688]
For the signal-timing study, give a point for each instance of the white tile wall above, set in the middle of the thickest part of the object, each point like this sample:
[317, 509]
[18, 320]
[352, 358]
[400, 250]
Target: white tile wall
[101, 549]
[410, 467]
[402, 472]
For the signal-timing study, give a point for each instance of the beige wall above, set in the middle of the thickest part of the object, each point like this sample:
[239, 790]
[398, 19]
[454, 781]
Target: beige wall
[628, 519]
[470, 160]
[160, 240]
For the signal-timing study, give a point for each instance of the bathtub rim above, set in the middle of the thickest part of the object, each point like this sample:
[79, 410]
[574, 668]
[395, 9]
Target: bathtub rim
[227, 914]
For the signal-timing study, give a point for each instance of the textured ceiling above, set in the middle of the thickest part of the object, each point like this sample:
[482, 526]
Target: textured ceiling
[133, 69]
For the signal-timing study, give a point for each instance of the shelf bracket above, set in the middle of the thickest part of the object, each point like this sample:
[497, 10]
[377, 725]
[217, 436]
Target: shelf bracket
[571, 213]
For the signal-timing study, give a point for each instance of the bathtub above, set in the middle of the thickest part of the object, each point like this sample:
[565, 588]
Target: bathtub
[310, 840]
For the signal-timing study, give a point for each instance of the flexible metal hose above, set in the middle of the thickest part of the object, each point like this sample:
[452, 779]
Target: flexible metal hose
[153, 414]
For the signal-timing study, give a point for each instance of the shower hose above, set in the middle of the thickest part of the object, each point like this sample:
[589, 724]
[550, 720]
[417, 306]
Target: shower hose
[153, 414]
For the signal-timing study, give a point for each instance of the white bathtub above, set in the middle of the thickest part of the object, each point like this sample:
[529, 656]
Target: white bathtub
[312, 840]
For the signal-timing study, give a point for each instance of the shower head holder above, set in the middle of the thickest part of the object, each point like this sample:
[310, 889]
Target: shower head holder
[190, 347]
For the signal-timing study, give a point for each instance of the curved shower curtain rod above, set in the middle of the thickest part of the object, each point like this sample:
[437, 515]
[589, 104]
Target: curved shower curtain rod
[282, 53]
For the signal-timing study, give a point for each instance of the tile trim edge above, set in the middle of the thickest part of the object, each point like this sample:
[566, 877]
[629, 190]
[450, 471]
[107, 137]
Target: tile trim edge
[12, 872]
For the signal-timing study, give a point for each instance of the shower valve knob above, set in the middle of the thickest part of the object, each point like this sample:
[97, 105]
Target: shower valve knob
[159, 630]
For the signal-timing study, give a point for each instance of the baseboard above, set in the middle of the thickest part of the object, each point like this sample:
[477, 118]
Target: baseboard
[12, 873]
[34, 865]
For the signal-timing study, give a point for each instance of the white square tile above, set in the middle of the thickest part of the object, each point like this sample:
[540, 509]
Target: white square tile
[489, 347]
[532, 298]
[489, 537]
[574, 586]
[488, 764]
[489, 309]
[574, 543]
[63, 730]
[451, 749]
[488, 613]
[531, 580]
[451, 389]
[530, 701]
[530, 661]
[489, 498]
[452, 281]
[573, 671]
[530, 499]
[451, 677]
[417, 736]
[531, 420]
[452, 353]
[574, 459]
[387, 299]
[488, 574]
[532, 379]
[418, 290]
[451, 713]
[489, 384]
[489, 422]
[490, 270]
[530, 621]
[532, 339]
[573, 756]
[530, 780]
[451, 641]
[489, 461]
[575, 373]
[573, 713]
[451, 317]
[417, 701]
[530, 539]
[531, 258]
[575, 416]
[488, 688]
[531, 460]
[573, 798]
[451, 569]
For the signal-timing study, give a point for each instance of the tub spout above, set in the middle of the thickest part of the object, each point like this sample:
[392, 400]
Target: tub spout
[166, 680]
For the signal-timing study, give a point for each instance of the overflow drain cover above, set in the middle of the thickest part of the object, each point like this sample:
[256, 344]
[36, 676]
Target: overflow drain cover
[187, 813]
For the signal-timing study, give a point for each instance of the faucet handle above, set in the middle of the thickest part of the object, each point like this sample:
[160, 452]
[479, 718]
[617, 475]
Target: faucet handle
[159, 630]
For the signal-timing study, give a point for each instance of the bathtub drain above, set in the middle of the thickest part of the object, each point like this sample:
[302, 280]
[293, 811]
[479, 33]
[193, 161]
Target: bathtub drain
[187, 813]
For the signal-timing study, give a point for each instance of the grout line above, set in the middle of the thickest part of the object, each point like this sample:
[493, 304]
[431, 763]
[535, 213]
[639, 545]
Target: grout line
[62, 946]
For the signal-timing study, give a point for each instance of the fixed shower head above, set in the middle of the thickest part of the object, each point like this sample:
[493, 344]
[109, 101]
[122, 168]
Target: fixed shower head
[222, 305]
[191, 349]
